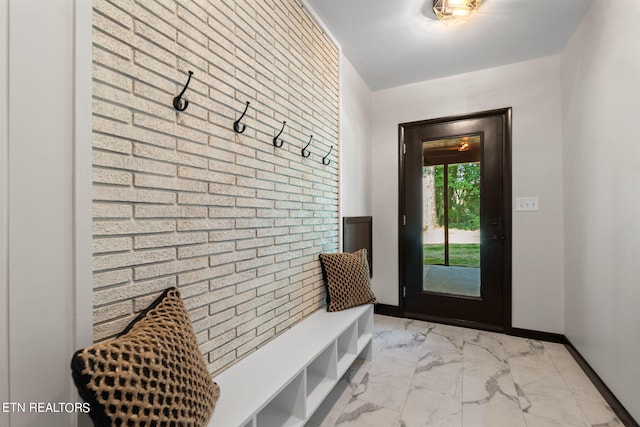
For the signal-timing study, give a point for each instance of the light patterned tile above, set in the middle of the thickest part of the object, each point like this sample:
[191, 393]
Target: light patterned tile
[385, 323]
[378, 343]
[440, 371]
[550, 398]
[554, 349]
[581, 386]
[599, 414]
[332, 407]
[446, 338]
[475, 354]
[489, 395]
[418, 326]
[481, 383]
[519, 347]
[484, 338]
[565, 362]
[576, 379]
[357, 370]
[404, 345]
[531, 365]
[388, 370]
[496, 410]
[538, 421]
[428, 408]
[431, 375]
[360, 414]
[390, 396]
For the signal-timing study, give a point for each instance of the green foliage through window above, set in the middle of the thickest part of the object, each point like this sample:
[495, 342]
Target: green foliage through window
[464, 195]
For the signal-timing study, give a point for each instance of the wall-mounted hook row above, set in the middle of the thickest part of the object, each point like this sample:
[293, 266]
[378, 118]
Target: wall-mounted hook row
[237, 126]
[178, 103]
[325, 159]
[181, 104]
[305, 152]
[278, 142]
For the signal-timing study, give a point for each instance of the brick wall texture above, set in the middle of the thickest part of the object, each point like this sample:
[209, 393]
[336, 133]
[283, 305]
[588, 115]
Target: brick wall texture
[180, 199]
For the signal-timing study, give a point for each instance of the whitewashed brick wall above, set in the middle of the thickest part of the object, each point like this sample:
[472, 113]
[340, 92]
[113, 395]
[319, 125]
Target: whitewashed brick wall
[179, 198]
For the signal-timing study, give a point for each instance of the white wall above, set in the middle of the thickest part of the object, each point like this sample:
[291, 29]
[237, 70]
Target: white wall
[355, 156]
[4, 183]
[601, 106]
[39, 202]
[532, 88]
[40, 226]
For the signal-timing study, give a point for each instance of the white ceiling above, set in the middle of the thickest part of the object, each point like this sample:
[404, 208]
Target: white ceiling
[396, 42]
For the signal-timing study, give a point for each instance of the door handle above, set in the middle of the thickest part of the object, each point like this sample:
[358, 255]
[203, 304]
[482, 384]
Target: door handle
[496, 227]
[494, 237]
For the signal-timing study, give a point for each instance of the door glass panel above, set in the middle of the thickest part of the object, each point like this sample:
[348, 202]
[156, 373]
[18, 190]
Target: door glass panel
[432, 229]
[451, 216]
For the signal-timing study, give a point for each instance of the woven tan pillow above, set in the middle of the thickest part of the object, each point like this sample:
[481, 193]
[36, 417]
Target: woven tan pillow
[153, 374]
[347, 280]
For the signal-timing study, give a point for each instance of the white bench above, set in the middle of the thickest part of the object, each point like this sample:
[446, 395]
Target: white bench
[284, 382]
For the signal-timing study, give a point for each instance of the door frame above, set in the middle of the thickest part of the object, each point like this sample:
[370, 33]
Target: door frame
[506, 114]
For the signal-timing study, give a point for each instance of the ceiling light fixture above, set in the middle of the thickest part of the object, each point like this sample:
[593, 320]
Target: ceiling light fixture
[464, 144]
[454, 12]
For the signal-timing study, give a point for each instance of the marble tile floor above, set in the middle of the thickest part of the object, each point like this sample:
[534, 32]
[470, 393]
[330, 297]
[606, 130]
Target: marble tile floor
[427, 374]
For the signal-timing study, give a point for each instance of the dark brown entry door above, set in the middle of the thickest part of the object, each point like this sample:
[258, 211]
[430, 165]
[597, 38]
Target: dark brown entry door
[455, 219]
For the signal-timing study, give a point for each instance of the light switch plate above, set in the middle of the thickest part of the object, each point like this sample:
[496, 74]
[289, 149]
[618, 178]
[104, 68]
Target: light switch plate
[527, 204]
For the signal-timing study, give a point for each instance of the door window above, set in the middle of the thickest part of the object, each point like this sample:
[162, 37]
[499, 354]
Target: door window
[451, 216]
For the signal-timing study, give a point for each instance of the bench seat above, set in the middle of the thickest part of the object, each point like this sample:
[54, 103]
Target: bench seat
[284, 382]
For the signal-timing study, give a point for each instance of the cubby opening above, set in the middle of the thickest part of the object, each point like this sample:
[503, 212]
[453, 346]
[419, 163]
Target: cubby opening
[322, 375]
[287, 409]
[347, 348]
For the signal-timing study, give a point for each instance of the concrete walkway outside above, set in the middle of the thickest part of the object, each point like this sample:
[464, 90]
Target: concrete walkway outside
[451, 280]
[436, 236]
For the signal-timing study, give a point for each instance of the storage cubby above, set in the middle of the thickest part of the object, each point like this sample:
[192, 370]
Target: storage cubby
[347, 348]
[322, 375]
[287, 408]
[365, 329]
[284, 382]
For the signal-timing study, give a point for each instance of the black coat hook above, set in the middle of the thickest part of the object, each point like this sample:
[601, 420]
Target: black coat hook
[237, 124]
[305, 152]
[325, 159]
[178, 103]
[276, 142]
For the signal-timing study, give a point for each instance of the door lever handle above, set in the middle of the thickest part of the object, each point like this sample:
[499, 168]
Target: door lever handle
[494, 237]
